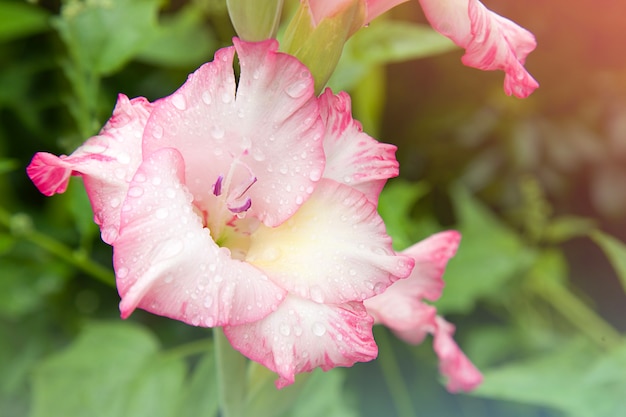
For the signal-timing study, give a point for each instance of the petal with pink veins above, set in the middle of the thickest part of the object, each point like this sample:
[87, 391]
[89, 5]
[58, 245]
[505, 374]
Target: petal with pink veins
[400, 307]
[302, 335]
[106, 162]
[334, 249]
[267, 123]
[353, 157]
[491, 42]
[167, 263]
[461, 373]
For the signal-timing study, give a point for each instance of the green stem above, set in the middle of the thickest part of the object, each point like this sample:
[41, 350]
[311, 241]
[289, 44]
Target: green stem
[581, 316]
[21, 226]
[391, 372]
[231, 376]
[189, 349]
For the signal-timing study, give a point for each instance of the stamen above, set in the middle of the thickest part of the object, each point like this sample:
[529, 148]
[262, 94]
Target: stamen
[217, 187]
[244, 207]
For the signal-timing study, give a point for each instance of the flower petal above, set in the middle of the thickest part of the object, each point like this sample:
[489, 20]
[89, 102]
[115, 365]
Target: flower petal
[106, 162]
[400, 307]
[302, 335]
[268, 123]
[334, 249]
[167, 263]
[461, 373]
[492, 42]
[353, 157]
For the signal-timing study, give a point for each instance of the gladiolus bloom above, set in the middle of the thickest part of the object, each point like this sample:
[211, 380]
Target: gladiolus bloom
[401, 309]
[247, 204]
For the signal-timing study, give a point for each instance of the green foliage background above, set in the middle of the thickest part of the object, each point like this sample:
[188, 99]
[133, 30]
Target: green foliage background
[535, 186]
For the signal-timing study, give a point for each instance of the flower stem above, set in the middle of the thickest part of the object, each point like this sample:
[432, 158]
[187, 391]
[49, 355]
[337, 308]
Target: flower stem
[581, 316]
[391, 372]
[231, 376]
[21, 226]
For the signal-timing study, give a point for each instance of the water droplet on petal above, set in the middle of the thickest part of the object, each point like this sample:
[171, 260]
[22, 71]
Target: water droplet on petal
[206, 97]
[284, 329]
[217, 132]
[161, 213]
[179, 102]
[157, 131]
[318, 329]
[208, 302]
[135, 191]
[317, 294]
[218, 278]
[115, 202]
[122, 272]
[379, 288]
[226, 98]
[315, 175]
[297, 89]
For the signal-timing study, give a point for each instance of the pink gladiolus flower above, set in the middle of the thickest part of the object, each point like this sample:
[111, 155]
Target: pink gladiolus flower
[491, 42]
[401, 309]
[246, 204]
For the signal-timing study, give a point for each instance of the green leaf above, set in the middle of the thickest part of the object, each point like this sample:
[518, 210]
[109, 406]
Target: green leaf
[489, 256]
[102, 35]
[394, 205]
[324, 395]
[170, 45]
[201, 397]
[615, 250]
[573, 378]
[111, 370]
[21, 19]
[564, 228]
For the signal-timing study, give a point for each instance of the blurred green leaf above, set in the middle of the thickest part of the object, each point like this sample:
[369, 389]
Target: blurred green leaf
[170, 45]
[25, 283]
[615, 250]
[112, 369]
[200, 398]
[18, 19]
[324, 395]
[8, 165]
[383, 42]
[561, 229]
[394, 205]
[489, 256]
[263, 399]
[103, 35]
[574, 378]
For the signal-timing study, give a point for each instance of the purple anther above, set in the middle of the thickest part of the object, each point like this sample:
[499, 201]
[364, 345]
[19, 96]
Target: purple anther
[217, 187]
[244, 207]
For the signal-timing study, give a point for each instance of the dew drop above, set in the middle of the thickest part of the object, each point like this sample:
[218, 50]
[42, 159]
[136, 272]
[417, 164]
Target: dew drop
[135, 191]
[218, 278]
[318, 329]
[379, 288]
[317, 294]
[315, 175]
[226, 98]
[161, 213]
[256, 74]
[284, 329]
[122, 272]
[157, 131]
[217, 132]
[115, 202]
[208, 302]
[123, 158]
[170, 193]
[297, 89]
[156, 180]
[140, 177]
[206, 97]
[179, 102]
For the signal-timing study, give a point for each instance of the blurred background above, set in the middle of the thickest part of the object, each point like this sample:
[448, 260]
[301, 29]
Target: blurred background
[536, 186]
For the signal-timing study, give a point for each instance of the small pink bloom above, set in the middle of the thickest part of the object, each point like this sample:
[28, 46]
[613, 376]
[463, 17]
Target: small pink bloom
[401, 309]
[491, 42]
[228, 203]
